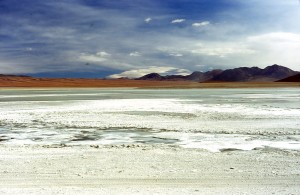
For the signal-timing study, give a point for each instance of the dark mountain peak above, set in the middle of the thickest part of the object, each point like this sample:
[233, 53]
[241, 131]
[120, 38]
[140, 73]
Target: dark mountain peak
[152, 77]
[215, 71]
[278, 71]
[238, 74]
[195, 73]
[195, 76]
[276, 67]
[246, 69]
[174, 77]
[203, 76]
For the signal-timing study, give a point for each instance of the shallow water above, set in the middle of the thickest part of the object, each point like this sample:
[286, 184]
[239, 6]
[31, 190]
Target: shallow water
[211, 119]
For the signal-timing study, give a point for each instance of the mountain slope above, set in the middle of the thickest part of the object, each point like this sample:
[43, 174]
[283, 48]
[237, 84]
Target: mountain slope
[195, 76]
[295, 78]
[242, 74]
[152, 77]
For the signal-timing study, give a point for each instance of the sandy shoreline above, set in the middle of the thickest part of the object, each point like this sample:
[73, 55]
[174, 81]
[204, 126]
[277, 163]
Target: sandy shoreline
[147, 169]
[29, 82]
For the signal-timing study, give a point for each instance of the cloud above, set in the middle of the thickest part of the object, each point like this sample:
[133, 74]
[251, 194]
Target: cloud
[98, 57]
[103, 54]
[183, 72]
[199, 24]
[147, 20]
[28, 49]
[276, 47]
[276, 37]
[177, 21]
[135, 54]
[221, 50]
[176, 54]
[153, 69]
[256, 50]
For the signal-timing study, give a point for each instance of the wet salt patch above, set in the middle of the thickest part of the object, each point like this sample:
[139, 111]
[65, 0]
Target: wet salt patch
[180, 106]
[109, 139]
[159, 105]
[208, 122]
[209, 142]
[260, 96]
[223, 142]
[285, 145]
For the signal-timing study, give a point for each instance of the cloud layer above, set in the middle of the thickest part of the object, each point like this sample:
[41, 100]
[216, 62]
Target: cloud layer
[153, 69]
[89, 36]
[177, 21]
[199, 24]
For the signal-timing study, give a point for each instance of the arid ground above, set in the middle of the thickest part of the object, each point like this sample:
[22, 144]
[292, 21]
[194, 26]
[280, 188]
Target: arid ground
[65, 82]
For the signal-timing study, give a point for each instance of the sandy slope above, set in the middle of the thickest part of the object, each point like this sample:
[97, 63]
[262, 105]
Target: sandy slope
[147, 170]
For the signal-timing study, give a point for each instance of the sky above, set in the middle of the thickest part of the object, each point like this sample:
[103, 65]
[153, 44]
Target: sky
[131, 38]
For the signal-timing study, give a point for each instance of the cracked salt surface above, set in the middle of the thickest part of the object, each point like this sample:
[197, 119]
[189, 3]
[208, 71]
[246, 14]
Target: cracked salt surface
[215, 120]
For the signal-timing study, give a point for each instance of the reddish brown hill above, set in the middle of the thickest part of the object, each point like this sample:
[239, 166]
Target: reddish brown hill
[295, 78]
[17, 81]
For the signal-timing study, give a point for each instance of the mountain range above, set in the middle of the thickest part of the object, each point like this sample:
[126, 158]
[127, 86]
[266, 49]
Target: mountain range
[243, 74]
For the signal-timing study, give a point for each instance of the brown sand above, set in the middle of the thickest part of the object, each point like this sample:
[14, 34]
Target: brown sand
[65, 82]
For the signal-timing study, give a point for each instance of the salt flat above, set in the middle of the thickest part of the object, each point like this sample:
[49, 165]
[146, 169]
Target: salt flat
[133, 141]
[147, 169]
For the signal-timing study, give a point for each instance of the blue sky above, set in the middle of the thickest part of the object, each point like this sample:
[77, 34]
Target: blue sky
[130, 38]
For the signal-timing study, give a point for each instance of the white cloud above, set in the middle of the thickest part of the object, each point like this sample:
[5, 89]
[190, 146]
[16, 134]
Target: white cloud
[103, 54]
[221, 50]
[147, 20]
[98, 57]
[28, 49]
[183, 72]
[276, 47]
[135, 54]
[208, 48]
[275, 37]
[176, 54]
[177, 21]
[153, 69]
[258, 50]
[199, 24]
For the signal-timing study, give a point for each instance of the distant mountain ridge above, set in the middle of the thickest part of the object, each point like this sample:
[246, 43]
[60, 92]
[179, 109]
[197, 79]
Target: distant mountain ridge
[10, 75]
[243, 74]
[195, 76]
